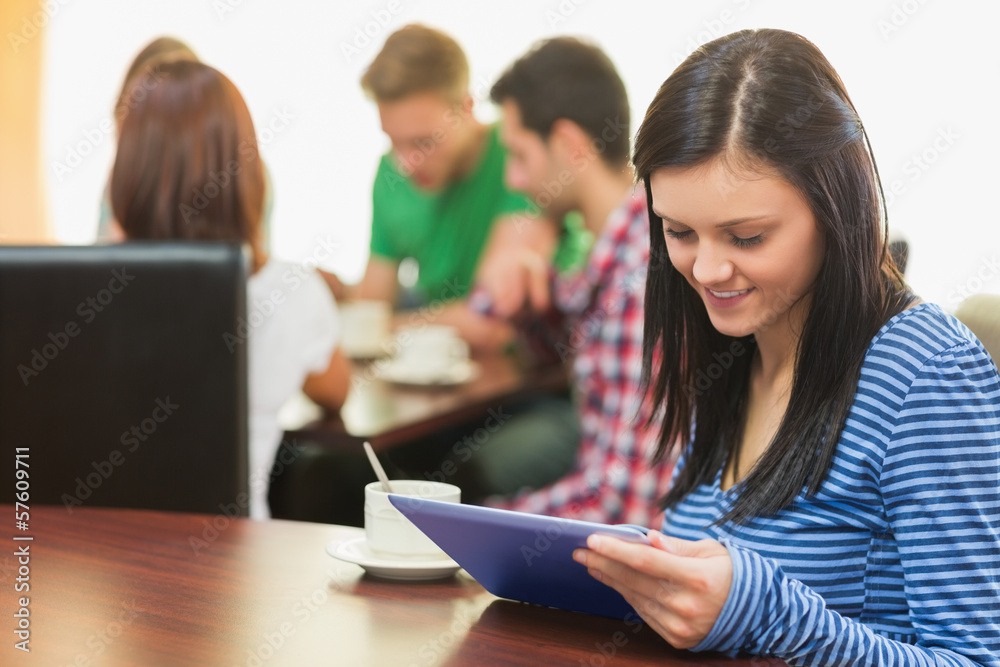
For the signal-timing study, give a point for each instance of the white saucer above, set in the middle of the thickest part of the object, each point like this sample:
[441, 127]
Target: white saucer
[402, 373]
[372, 349]
[356, 551]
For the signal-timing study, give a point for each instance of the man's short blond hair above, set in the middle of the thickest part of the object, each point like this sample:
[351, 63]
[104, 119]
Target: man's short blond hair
[417, 59]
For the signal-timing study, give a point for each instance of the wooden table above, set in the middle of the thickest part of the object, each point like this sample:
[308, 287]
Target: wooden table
[127, 587]
[388, 414]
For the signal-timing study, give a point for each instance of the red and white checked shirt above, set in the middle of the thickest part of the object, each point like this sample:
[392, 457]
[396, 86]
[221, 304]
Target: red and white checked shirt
[612, 480]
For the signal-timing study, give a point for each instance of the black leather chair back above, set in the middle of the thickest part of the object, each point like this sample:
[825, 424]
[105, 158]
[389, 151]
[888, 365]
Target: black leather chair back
[123, 375]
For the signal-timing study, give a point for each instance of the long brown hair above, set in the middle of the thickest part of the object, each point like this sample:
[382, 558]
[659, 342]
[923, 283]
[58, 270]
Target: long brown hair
[161, 49]
[767, 99]
[187, 166]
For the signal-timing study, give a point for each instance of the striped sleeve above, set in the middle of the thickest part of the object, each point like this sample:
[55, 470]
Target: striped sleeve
[940, 483]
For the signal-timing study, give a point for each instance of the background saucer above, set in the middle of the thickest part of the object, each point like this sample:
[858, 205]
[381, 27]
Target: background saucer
[372, 349]
[356, 551]
[405, 373]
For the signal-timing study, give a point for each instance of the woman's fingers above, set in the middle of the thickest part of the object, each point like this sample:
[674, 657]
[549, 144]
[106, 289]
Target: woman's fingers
[658, 562]
[679, 587]
[694, 549]
[640, 582]
[660, 603]
[618, 574]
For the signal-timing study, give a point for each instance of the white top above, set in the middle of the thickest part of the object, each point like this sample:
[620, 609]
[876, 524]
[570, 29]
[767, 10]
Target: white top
[292, 324]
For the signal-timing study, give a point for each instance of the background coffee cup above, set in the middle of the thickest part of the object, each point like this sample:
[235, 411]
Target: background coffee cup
[431, 348]
[365, 327]
[389, 533]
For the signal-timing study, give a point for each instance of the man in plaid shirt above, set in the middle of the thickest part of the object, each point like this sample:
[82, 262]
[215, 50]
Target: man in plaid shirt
[565, 125]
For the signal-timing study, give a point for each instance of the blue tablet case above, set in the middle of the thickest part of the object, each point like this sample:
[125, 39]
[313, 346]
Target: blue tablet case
[520, 556]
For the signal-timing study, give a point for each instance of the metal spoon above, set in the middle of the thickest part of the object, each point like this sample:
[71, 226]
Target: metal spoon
[379, 471]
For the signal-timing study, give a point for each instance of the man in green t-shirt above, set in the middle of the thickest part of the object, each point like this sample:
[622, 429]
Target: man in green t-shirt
[439, 197]
[444, 230]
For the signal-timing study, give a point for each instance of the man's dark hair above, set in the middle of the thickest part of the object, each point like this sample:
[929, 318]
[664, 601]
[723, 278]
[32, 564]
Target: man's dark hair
[566, 78]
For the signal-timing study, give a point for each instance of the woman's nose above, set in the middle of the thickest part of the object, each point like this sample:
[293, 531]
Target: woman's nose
[712, 266]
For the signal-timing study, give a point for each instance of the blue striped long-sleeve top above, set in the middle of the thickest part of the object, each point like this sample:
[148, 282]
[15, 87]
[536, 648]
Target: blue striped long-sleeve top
[896, 559]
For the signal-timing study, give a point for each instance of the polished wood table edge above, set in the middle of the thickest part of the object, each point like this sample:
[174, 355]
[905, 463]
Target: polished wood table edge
[221, 605]
[332, 433]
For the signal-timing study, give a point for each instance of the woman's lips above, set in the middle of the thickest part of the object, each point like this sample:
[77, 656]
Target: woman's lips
[726, 299]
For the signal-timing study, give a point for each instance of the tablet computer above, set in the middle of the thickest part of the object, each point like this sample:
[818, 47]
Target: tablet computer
[520, 556]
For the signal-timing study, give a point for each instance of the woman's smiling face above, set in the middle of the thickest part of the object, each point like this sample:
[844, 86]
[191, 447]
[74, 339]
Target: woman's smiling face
[747, 243]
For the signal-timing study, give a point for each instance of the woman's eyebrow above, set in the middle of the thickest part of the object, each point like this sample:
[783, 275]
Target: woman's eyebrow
[721, 225]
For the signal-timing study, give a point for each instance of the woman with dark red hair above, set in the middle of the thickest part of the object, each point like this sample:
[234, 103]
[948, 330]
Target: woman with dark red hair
[188, 168]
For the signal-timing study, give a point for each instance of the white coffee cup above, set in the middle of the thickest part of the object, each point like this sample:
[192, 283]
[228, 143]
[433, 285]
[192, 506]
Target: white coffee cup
[364, 327]
[432, 348]
[389, 533]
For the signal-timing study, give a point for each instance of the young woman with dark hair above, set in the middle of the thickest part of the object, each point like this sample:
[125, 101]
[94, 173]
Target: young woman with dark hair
[837, 499]
[188, 169]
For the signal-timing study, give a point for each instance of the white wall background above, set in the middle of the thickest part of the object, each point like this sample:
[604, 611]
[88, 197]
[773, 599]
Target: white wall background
[923, 74]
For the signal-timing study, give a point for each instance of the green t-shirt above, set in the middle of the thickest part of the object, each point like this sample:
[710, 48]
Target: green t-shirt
[443, 231]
